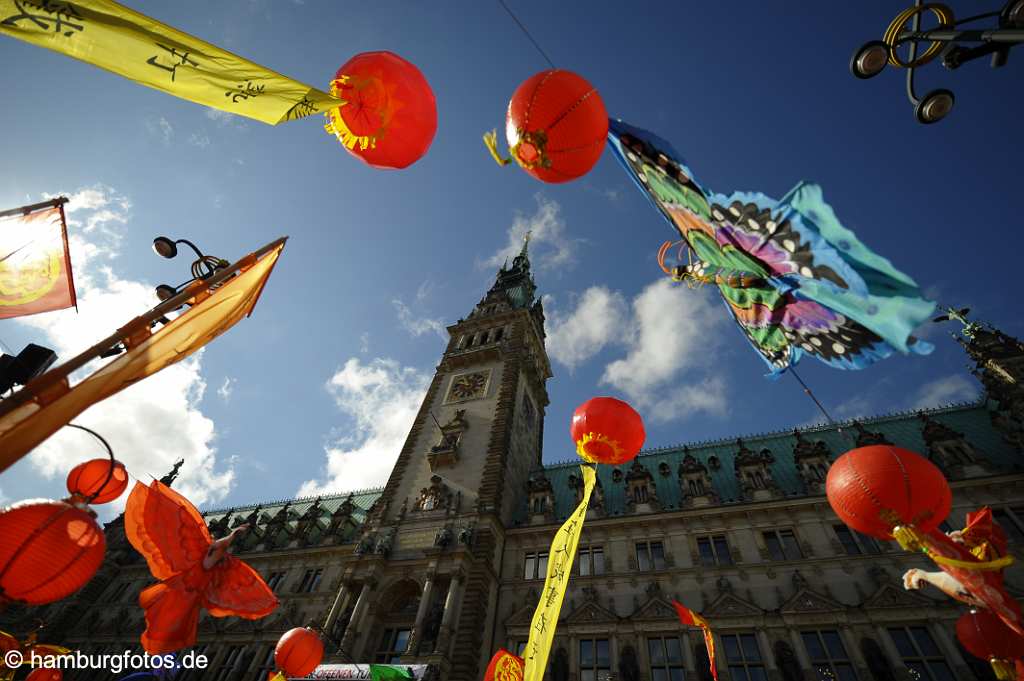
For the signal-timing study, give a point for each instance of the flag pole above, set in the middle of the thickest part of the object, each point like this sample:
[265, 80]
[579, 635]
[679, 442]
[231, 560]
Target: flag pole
[131, 333]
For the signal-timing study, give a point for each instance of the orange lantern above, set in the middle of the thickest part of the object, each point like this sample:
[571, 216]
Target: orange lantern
[98, 481]
[45, 675]
[879, 488]
[48, 551]
[607, 430]
[986, 636]
[299, 652]
[389, 117]
[556, 126]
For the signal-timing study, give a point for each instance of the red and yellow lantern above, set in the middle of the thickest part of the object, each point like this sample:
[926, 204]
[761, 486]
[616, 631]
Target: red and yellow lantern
[98, 481]
[48, 551]
[556, 127]
[607, 430]
[987, 637]
[883, 490]
[299, 651]
[505, 666]
[389, 117]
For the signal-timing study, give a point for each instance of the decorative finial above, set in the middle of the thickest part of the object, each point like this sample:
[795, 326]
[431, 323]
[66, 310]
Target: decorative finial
[960, 315]
[173, 475]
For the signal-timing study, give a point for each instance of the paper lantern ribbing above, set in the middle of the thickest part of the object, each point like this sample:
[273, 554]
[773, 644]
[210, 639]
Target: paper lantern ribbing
[607, 430]
[48, 551]
[878, 488]
[389, 117]
[298, 652]
[556, 126]
[986, 636]
[96, 483]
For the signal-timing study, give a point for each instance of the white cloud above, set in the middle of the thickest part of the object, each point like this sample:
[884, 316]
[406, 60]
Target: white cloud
[417, 326]
[225, 119]
[550, 246]
[599, 319]
[226, 388]
[152, 423]
[381, 398]
[674, 331]
[162, 128]
[199, 139]
[943, 391]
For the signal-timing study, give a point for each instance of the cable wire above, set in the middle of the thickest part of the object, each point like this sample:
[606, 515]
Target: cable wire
[527, 34]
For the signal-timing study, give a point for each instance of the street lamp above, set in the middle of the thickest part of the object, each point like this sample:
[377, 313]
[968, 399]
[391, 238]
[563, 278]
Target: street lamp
[203, 267]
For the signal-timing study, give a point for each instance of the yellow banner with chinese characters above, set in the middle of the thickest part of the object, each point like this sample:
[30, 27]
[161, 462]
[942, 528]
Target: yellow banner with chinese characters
[130, 44]
[560, 558]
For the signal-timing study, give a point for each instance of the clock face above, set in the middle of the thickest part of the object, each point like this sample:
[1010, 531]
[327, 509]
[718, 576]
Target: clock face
[468, 386]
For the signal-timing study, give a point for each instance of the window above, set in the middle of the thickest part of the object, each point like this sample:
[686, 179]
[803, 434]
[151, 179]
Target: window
[782, 545]
[392, 646]
[591, 560]
[538, 504]
[650, 556]
[521, 648]
[828, 656]
[920, 654]
[756, 480]
[595, 662]
[536, 565]
[274, 580]
[714, 550]
[483, 337]
[666, 658]
[855, 543]
[696, 487]
[498, 333]
[640, 494]
[744, 657]
[1010, 521]
[310, 581]
[267, 665]
[231, 665]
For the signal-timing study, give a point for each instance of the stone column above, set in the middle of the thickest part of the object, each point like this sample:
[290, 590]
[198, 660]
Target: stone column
[355, 624]
[421, 612]
[801, 652]
[899, 670]
[766, 651]
[853, 650]
[689, 664]
[341, 602]
[451, 605]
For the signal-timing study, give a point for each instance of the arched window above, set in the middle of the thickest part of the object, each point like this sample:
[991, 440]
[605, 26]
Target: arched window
[640, 494]
[696, 487]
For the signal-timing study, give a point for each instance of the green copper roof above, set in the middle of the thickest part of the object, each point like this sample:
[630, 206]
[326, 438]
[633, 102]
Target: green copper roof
[903, 430]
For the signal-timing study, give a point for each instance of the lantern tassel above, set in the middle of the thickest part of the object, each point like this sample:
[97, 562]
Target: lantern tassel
[908, 538]
[998, 564]
[491, 142]
[1004, 669]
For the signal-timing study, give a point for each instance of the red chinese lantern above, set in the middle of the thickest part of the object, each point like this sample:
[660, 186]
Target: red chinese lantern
[48, 551]
[389, 117]
[556, 126]
[299, 652]
[96, 483]
[45, 675]
[607, 430]
[875, 489]
[985, 636]
[505, 666]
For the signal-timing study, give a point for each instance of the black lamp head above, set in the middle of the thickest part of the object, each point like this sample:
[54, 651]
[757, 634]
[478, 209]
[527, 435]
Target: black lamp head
[164, 247]
[165, 292]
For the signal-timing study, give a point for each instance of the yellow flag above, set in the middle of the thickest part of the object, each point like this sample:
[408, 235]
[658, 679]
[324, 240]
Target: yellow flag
[130, 44]
[560, 558]
[49, 403]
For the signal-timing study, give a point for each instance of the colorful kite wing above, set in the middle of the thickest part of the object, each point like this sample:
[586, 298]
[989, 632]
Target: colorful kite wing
[813, 287]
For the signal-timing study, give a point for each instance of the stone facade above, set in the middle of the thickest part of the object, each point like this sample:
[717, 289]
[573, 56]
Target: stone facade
[446, 562]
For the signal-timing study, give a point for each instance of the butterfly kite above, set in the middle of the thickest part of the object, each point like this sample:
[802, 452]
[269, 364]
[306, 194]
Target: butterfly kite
[795, 280]
[194, 570]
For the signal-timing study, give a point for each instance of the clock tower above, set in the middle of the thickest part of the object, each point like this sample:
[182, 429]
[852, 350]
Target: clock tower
[458, 478]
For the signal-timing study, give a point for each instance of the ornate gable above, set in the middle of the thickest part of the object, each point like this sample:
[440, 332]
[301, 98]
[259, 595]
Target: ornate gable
[521, 617]
[806, 600]
[730, 605]
[590, 613]
[866, 437]
[655, 609]
[889, 596]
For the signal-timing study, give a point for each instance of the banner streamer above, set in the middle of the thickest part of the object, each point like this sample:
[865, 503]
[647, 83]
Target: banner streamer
[35, 264]
[561, 556]
[689, 618]
[120, 40]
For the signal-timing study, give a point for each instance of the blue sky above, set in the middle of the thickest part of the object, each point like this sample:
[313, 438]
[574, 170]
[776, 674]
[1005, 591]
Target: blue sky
[316, 391]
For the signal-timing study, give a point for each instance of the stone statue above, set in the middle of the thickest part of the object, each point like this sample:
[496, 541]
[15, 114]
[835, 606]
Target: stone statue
[443, 537]
[365, 545]
[466, 535]
[629, 668]
[173, 475]
[432, 622]
[383, 546]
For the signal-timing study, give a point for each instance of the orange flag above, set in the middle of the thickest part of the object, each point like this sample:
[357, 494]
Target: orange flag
[691, 619]
[48, 402]
[504, 666]
[35, 268]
